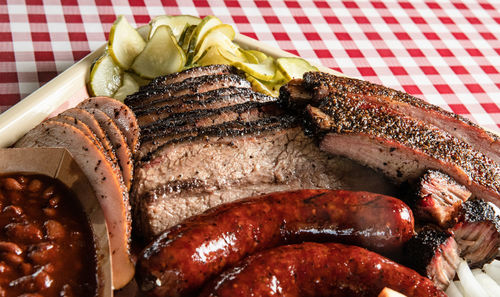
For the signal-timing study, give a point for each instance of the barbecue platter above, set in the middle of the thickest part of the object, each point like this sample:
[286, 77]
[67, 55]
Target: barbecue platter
[237, 173]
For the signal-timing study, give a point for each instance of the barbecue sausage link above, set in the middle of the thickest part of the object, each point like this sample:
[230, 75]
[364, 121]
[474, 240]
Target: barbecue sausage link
[312, 269]
[183, 258]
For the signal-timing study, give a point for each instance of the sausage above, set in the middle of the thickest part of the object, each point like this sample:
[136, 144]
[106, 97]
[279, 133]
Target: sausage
[313, 269]
[180, 260]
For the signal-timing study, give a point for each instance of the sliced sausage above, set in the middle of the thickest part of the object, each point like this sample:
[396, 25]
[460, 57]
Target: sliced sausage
[180, 260]
[312, 269]
[121, 114]
[80, 126]
[119, 143]
[107, 183]
[94, 126]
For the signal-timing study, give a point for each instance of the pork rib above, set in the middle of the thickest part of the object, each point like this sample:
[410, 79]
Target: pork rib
[400, 146]
[324, 85]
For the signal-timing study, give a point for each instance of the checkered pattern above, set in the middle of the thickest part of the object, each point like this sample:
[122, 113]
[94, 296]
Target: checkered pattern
[445, 52]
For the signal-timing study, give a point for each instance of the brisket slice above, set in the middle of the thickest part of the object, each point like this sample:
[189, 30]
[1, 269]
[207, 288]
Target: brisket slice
[477, 232]
[400, 146]
[191, 174]
[201, 84]
[194, 105]
[325, 85]
[192, 72]
[157, 136]
[179, 100]
[438, 198]
[435, 254]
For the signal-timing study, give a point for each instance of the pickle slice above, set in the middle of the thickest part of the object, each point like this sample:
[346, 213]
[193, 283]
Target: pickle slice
[105, 77]
[294, 67]
[212, 56]
[259, 55]
[125, 43]
[176, 22]
[201, 30]
[263, 71]
[264, 87]
[221, 36]
[162, 55]
[129, 86]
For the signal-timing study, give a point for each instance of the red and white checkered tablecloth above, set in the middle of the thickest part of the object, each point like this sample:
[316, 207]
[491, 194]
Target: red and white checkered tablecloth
[447, 52]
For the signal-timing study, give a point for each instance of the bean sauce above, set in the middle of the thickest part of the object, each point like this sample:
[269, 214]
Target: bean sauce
[46, 244]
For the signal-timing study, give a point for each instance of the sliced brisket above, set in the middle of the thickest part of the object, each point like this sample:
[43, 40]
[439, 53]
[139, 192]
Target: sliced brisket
[325, 85]
[438, 198]
[195, 105]
[193, 72]
[434, 254]
[192, 174]
[151, 95]
[477, 232]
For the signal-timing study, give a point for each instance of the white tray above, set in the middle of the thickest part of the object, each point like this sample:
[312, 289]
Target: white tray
[69, 88]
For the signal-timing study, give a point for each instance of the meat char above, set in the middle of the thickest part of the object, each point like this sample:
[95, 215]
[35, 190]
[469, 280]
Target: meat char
[477, 232]
[150, 94]
[217, 69]
[438, 198]
[435, 254]
[400, 146]
[325, 85]
[194, 105]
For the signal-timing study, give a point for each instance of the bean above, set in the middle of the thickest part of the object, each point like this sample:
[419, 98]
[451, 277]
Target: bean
[35, 186]
[66, 291]
[22, 179]
[54, 230]
[11, 184]
[24, 232]
[10, 247]
[30, 295]
[43, 253]
[15, 197]
[54, 201]
[37, 281]
[12, 258]
[50, 212]
[13, 211]
[26, 268]
[4, 268]
[47, 193]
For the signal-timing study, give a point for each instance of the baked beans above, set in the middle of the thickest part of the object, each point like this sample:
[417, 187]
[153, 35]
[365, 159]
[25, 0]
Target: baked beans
[46, 244]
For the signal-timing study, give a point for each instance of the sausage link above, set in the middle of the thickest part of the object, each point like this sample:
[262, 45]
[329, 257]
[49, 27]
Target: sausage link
[313, 269]
[180, 261]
